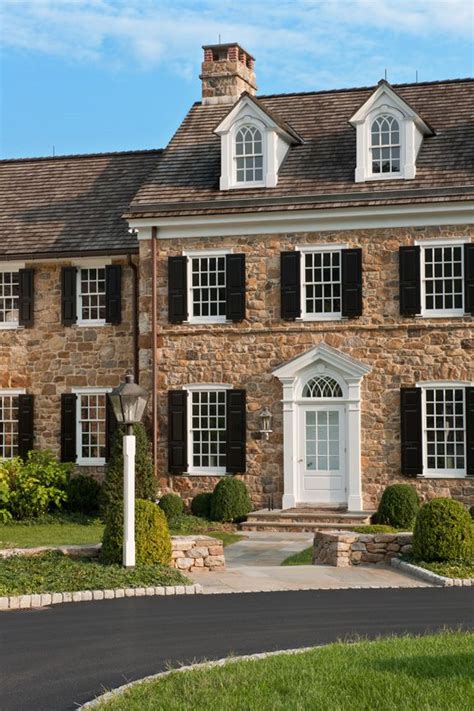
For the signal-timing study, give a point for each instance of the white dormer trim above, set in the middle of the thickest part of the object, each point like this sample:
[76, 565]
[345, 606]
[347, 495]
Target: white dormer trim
[383, 101]
[275, 144]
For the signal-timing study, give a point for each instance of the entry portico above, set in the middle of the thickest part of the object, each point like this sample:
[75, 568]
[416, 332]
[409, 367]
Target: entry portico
[321, 429]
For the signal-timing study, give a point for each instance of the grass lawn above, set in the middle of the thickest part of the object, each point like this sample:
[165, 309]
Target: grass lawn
[374, 528]
[54, 572]
[304, 557]
[54, 530]
[394, 674]
[186, 525]
[450, 569]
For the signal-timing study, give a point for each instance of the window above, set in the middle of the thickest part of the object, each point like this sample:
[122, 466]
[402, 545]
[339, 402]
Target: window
[208, 431]
[321, 282]
[91, 427]
[442, 279]
[385, 145]
[322, 386]
[208, 288]
[91, 295]
[249, 155]
[8, 426]
[444, 431]
[9, 298]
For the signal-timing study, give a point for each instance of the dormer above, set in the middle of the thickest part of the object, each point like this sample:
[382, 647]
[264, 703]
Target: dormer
[389, 136]
[254, 144]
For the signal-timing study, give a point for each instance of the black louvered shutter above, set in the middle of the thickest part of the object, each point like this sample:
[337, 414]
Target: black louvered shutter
[68, 296]
[113, 293]
[409, 275]
[236, 434]
[351, 282]
[25, 424]
[177, 431]
[290, 285]
[470, 431]
[235, 287]
[26, 297]
[469, 278]
[411, 431]
[110, 426]
[177, 289]
[68, 427]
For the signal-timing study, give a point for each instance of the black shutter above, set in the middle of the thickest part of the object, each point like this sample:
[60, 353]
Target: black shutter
[236, 431]
[26, 297]
[409, 275]
[113, 293]
[470, 431]
[235, 287]
[469, 278]
[410, 431]
[177, 431]
[25, 424]
[68, 295]
[110, 426]
[177, 289]
[68, 427]
[290, 285]
[351, 282]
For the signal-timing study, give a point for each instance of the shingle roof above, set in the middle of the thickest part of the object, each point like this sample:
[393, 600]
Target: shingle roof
[320, 172]
[70, 204]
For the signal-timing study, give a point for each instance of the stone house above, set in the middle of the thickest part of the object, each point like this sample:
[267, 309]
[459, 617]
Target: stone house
[308, 254]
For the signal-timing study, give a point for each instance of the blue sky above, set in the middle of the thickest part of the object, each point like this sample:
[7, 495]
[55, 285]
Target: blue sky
[103, 75]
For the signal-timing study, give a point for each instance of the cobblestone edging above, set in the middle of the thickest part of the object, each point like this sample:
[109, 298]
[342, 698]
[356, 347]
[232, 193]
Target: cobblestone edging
[431, 577]
[27, 602]
[344, 548]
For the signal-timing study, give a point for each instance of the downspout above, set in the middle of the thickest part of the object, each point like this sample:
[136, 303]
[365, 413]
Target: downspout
[154, 374]
[135, 311]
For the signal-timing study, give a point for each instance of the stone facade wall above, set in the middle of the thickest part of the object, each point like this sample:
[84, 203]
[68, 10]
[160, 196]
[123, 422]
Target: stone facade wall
[344, 548]
[49, 359]
[400, 350]
[197, 554]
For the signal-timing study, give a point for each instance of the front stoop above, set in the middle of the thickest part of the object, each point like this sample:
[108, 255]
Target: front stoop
[304, 519]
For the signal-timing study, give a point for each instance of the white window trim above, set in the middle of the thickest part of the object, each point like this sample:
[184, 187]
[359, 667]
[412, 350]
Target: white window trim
[308, 249]
[86, 461]
[441, 385]
[13, 392]
[11, 267]
[438, 313]
[201, 471]
[252, 123]
[189, 254]
[87, 263]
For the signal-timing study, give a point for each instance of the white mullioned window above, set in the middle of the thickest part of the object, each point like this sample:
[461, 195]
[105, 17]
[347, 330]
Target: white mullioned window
[91, 295]
[321, 283]
[9, 297]
[385, 145]
[207, 429]
[207, 286]
[442, 278]
[91, 423]
[9, 423]
[249, 155]
[444, 429]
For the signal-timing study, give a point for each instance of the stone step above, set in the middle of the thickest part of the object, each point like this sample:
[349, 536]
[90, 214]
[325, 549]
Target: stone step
[299, 526]
[315, 516]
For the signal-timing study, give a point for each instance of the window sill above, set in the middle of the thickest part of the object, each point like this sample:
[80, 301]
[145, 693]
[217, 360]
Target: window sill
[444, 475]
[322, 317]
[204, 321]
[387, 176]
[205, 472]
[444, 314]
[91, 462]
[91, 324]
[10, 326]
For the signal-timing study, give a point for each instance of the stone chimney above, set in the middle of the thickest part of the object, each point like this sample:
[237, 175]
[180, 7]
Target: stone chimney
[227, 71]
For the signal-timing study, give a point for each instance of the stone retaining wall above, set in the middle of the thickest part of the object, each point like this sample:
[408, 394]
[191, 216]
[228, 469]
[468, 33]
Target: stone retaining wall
[197, 554]
[344, 548]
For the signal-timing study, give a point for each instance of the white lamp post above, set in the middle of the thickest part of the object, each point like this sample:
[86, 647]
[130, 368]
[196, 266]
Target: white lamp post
[129, 403]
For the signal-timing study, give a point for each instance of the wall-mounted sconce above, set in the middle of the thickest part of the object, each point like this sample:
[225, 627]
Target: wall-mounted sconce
[265, 423]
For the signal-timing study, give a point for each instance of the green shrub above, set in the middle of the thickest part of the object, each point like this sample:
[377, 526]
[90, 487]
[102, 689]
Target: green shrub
[398, 506]
[443, 531]
[172, 505]
[5, 515]
[145, 482]
[83, 495]
[471, 511]
[33, 487]
[201, 505]
[230, 500]
[152, 538]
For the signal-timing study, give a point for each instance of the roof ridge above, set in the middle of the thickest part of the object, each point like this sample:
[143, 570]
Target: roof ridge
[82, 155]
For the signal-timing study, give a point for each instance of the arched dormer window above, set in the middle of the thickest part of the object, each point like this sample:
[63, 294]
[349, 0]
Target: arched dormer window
[322, 386]
[248, 155]
[385, 145]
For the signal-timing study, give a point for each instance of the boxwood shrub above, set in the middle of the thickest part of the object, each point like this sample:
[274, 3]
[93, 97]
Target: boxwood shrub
[398, 506]
[172, 505]
[83, 495]
[201, 505]
[152, 537]
[230, 500]
[443, 531]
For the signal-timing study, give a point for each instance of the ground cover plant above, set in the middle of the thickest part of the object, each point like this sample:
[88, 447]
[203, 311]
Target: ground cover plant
[376, 528]
[394, 674]
[304, 557]
[51, 530]
[54, 572]
[188, 525]
[449, 569]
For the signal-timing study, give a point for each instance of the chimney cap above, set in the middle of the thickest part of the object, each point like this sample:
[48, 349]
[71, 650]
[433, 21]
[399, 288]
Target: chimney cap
[226, 45]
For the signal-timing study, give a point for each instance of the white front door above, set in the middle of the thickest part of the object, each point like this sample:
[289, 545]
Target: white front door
[322, 455]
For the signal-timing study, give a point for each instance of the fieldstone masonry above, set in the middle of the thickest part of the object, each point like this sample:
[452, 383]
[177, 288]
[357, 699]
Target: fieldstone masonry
[197, 554]
[344, 548]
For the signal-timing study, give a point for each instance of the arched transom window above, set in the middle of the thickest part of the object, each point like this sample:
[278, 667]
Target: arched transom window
[249, 155]
[385, 145]
[322, 386]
